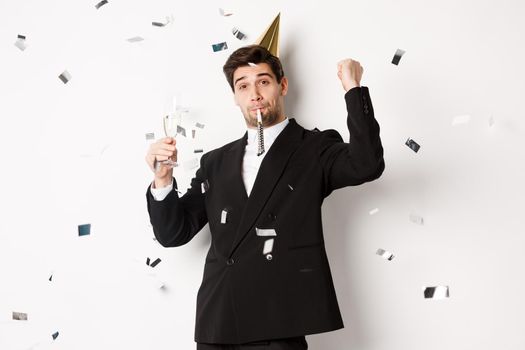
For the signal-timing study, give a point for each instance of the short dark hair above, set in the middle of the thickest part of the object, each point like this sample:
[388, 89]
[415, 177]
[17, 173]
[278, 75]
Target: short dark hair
[252, 54]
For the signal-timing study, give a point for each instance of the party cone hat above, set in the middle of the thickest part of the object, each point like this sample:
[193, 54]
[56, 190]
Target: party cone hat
[270, 38]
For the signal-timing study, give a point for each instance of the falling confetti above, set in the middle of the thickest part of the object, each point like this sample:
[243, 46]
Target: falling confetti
[135, 39]
[20, 316]
[21, 42]
[100, 4]
[65, 77]
[225, 13]
[412, 145]
[219, 47]
[84, 230]
[238, 34]
[460, 119]
[399, 53]
[438, 292]
[384, 254]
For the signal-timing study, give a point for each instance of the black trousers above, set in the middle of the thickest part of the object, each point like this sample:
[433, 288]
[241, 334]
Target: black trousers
[295, 343]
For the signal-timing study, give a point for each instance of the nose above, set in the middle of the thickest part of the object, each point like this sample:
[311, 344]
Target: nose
[254, 94]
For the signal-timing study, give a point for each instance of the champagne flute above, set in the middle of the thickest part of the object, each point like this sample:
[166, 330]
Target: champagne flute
[170, 123]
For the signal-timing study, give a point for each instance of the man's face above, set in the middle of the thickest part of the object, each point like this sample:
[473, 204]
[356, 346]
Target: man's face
[256, 87]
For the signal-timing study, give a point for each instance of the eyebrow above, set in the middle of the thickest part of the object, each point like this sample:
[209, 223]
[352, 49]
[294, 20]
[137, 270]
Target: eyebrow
[258, 75]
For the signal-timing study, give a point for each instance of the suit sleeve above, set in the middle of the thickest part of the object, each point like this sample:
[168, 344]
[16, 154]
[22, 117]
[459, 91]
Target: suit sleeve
[360, 160]
[177, 220]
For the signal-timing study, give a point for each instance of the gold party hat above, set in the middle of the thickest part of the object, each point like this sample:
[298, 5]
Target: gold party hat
[270, 38]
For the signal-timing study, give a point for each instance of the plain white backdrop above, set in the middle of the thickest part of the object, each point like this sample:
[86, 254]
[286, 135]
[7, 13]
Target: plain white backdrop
[74, 153]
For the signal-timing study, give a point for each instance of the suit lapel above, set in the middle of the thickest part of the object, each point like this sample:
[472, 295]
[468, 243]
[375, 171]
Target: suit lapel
[269, 173]
[232, 169]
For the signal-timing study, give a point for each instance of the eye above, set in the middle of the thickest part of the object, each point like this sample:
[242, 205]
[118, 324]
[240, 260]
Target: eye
[241, 87]
[265, 82]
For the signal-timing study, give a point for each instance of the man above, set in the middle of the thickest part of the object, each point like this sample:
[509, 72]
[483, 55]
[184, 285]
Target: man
[267, 281]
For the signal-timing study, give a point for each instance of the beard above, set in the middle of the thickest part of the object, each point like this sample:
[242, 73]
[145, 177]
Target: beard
[269, 117]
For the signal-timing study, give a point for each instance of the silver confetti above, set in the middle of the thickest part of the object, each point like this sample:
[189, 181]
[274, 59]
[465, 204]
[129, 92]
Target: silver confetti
[290, 187]
[199, 150]
[224, 216]
[384, 254]
[373, 211]
[238, 34]
[21, 42]
[438, 292]
[399, 53]
[135, 39]
[220, 46]
[268, 246]
[252, 64]
[461, 119]
[20, 316]
[65, 77]
[265, 232]
[225, 13]
[199, 125]
[169, 19]
[150, 136]
[205, 186]
[413, 145]
[100, 4]
[416, 219]
[181, 130]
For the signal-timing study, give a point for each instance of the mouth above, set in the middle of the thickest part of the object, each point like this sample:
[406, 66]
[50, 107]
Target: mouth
[255, 109]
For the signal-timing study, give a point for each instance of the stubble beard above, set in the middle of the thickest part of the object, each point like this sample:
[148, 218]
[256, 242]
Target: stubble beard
[269, 117]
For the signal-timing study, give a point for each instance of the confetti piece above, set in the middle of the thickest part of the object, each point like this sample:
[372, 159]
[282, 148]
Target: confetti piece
[155, 263]
[135, 39]
[384, 254]
[225, 13]
[191, 164]
[265, 232]
[160, 24]
[65, 77]
[268, 246]
[205, 186]
[150, 136]
[491, 120]
[290, 187]
[438, 292]
[238, 34]
[200, 150]
[147, 261]
[224, 216]
[373, 211]
[84, 230]
[21, 42]
[20, 316]
[100, 4]
[220, 46]
[412, 144]
[416, 219]
[460, 119]
[252, 64]
[50, 278]
[199, 125]
[399, 53]
[54, 335]
[181, 130]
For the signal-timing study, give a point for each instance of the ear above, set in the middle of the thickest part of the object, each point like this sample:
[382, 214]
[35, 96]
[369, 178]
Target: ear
[284, 86]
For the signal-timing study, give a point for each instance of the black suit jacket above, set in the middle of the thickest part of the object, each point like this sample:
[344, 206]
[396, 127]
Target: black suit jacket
[246, 295]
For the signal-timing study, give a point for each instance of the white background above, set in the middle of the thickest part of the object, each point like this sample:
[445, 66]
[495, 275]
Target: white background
[74, 153]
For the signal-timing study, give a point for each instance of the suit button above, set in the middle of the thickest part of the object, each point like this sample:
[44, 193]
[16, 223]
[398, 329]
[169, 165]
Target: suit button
[269, 257]
[230, 262]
